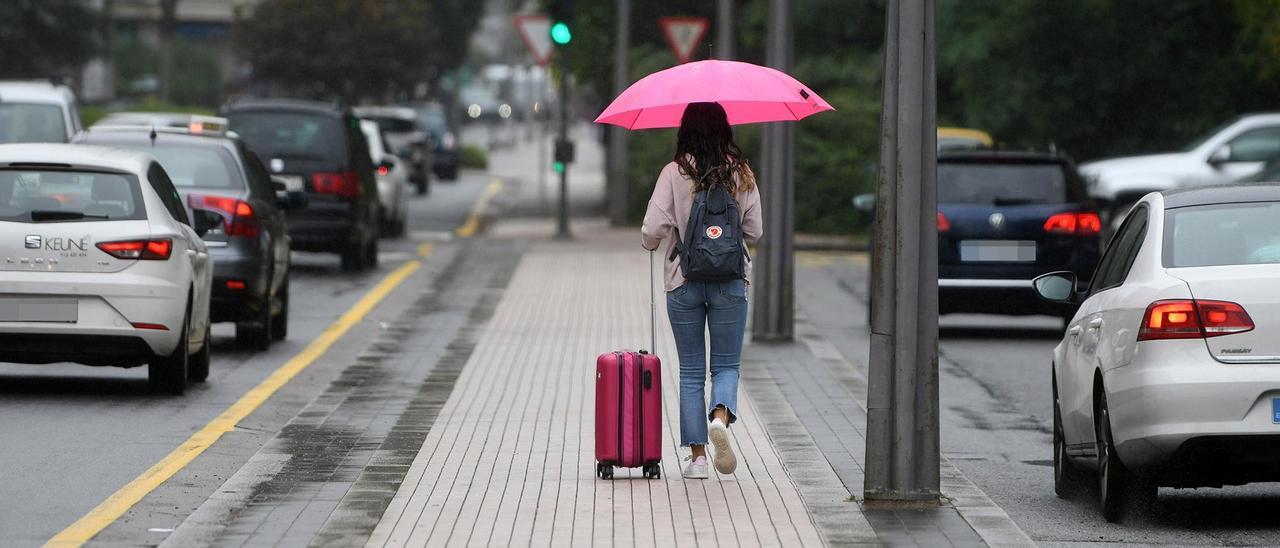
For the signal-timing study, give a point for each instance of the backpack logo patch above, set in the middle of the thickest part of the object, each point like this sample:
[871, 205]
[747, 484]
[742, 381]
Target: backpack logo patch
[714, 232]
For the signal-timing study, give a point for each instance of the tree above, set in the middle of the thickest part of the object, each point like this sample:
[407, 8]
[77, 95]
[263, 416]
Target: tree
[354, 48]
[43, 38]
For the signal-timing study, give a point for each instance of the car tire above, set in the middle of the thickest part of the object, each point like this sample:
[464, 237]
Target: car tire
[1068, 480]
[371, 254]
[168, 374]
[280, 322]
[198, 363]
[353, 257]
[1121, 494]
[257, 335]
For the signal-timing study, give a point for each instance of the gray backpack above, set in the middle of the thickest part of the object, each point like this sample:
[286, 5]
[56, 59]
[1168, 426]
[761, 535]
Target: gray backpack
[713, 249]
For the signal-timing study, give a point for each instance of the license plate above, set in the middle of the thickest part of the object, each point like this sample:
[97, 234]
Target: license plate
[1003, 251]
[292, 183]
[39, 309]
[1275, 410]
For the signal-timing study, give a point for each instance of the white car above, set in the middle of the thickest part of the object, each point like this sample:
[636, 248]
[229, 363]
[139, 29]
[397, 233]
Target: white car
[1169, 372]
[393, 180]
[1238, 148]
[99, 263]
[37, 112]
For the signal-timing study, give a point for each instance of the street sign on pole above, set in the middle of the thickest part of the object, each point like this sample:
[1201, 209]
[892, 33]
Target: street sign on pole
[683, 35]
[535, 30]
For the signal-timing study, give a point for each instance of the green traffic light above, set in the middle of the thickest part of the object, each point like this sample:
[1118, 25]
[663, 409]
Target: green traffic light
[560, 33]
[558, 167]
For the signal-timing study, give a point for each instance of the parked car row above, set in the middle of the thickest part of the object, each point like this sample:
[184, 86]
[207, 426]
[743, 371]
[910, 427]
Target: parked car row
[121, 244]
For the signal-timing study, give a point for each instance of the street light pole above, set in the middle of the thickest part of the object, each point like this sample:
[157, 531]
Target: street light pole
[902, 391]
[619, 187]
[724, 30]
[774, 313]
[562, 224]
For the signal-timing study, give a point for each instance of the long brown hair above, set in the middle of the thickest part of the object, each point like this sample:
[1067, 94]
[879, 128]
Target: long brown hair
[706, 153]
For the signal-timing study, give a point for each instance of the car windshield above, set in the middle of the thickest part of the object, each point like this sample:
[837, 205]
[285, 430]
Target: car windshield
[1000, 184]
[1222, 234]
[31, 123]
[287, 134]
[433, 120]
[198, 167]
[40, 196]
[1194, 144]
[393, 125]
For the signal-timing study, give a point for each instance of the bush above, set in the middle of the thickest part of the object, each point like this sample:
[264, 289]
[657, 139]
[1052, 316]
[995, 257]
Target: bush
[473, 157]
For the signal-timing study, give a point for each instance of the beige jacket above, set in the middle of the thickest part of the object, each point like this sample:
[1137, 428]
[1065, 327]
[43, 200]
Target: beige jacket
[669, 208]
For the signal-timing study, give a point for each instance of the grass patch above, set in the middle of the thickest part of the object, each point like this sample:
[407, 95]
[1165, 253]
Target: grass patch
[473, 157]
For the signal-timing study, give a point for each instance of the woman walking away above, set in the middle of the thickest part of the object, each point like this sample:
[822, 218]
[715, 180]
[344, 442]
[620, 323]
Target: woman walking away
[706, 202]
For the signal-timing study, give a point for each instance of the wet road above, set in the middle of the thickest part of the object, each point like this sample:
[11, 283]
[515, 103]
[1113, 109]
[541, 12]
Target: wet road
[997, 420]
[72, 435]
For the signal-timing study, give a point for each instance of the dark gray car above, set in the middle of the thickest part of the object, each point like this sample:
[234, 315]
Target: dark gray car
[250, 250]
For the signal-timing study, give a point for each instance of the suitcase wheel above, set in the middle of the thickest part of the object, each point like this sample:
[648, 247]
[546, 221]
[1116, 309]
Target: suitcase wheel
[605, 471]
[653, 470]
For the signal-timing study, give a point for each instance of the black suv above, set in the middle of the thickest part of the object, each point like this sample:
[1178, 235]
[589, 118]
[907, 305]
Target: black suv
[1005, 218]
[250, 248]
[319, 148]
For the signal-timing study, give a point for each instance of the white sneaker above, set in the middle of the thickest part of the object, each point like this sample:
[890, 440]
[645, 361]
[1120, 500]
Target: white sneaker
[697, 468]
[726, 463]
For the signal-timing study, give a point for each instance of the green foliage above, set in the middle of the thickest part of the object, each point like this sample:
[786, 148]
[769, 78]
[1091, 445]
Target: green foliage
[43, 38]
[197, 74]
[473, 157]
[355, 48]
[1099, 77]
[90, 114]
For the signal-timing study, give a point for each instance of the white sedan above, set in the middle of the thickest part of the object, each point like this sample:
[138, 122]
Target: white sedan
[393, 180]
[1169, 373]
[100, 263]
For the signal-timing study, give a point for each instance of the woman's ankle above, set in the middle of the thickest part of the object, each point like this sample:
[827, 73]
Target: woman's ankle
[698, 450]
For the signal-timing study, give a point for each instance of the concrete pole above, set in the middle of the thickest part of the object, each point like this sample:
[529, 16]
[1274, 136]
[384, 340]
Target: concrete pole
[562, 223]
[774, 272]
[619, 186]
[724, 30]
[902, 391]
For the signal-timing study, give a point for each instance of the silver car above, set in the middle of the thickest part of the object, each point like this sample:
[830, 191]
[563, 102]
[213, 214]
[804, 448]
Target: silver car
[1169, 372]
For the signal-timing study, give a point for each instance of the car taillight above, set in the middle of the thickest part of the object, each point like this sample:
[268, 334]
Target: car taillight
[449, 141]
[1081, 223]
[1193, 319]
[238, 217]
[345, 184]
[147, 250]
[943, 224]
[384, 171]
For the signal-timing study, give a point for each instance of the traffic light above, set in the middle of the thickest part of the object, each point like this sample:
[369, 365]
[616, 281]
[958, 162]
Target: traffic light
[561, 13]
[560, 33]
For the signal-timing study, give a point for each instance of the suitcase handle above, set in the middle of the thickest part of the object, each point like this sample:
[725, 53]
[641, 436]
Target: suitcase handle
[653, 310]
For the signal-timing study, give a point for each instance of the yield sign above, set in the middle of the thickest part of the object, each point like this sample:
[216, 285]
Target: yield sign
[536, 32]
[683, 34]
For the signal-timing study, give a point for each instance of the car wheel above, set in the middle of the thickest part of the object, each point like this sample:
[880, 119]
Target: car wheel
[198, 363]
[257, 334]
[280, 322]
[1120, 493]
[371, 254]
[353, 257]
[422, 187]
[168, 374]
[1067, 478]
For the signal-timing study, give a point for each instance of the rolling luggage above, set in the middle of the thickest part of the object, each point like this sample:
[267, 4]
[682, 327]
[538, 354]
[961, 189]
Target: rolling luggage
[629, 406]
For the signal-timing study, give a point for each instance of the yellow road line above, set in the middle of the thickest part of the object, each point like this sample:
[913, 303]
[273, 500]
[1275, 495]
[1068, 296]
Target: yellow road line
[472, 225]
[123, 499]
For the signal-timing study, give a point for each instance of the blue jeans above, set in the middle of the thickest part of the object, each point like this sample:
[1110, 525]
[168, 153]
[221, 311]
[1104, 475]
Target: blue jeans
[694, 309]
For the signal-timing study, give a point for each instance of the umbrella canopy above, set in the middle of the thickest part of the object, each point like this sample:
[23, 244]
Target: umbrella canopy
[749, 94]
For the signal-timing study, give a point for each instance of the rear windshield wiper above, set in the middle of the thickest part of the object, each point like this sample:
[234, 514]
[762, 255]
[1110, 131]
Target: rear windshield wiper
[59, 215]
[1012, 201]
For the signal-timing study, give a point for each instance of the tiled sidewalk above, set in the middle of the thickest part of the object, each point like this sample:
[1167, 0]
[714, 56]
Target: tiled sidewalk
[510, 457]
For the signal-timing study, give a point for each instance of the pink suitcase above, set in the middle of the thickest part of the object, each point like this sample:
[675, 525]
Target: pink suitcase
[629, 406]
[628, 413]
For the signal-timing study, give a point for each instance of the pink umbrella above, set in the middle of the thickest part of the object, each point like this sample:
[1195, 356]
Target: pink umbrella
[749, 94]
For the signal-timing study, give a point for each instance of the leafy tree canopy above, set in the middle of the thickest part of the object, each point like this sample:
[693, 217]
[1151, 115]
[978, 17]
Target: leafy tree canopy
[355, 48]
[42, 38]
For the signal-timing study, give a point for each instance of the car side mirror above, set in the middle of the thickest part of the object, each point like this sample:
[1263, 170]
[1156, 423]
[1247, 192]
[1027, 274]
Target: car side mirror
[1220, 156]
[205, 220]
[1058, 287]
[293, 199]
[864, 202]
